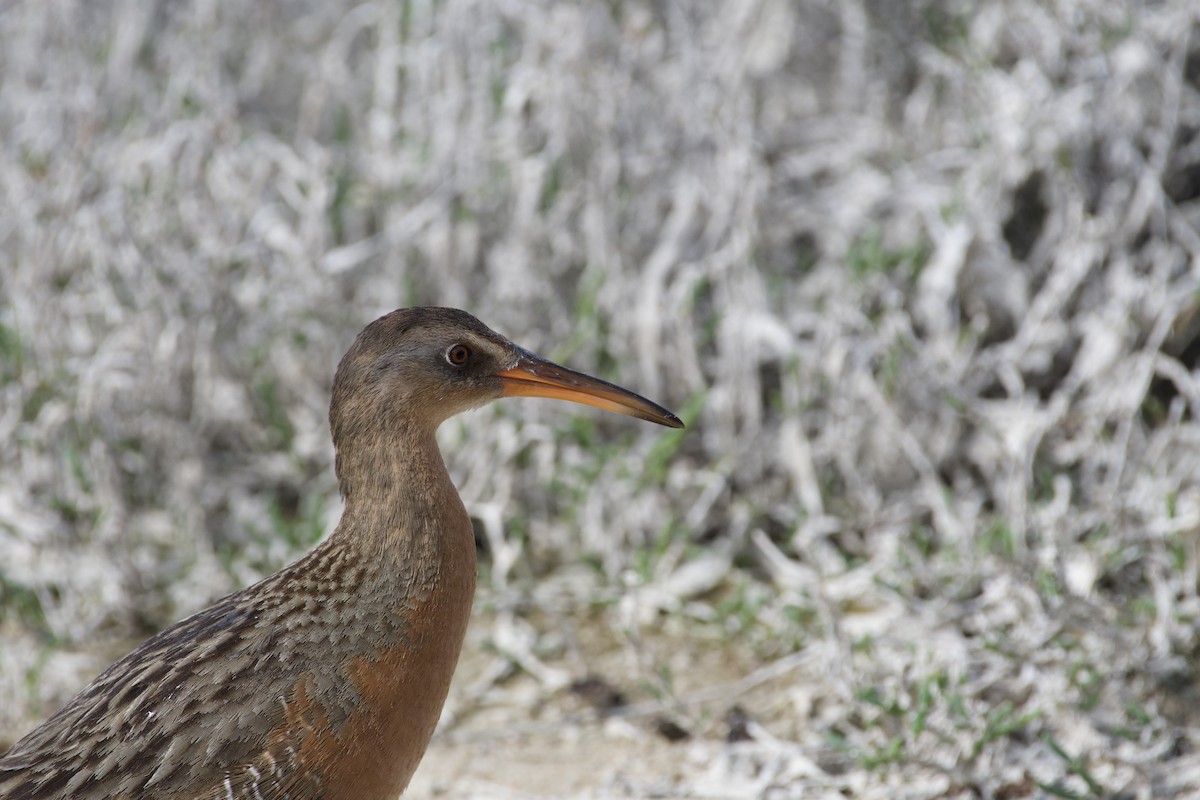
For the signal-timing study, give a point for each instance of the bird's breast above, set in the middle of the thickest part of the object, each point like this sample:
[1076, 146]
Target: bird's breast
[364, 726]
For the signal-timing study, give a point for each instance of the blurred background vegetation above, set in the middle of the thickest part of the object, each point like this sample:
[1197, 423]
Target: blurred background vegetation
[923, 278]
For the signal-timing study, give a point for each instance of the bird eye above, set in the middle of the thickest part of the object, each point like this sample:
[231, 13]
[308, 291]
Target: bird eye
[458, 354]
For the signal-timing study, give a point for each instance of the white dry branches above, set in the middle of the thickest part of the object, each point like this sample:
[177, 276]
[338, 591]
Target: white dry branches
[925, 276]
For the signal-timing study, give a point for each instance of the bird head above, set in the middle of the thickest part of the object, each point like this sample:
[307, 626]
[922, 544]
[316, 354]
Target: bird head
[421, 366]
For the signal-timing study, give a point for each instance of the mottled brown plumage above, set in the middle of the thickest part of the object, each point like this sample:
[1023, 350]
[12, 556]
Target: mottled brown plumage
[326, 679]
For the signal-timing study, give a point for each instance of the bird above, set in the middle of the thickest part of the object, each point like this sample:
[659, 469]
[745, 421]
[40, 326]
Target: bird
[326, 679]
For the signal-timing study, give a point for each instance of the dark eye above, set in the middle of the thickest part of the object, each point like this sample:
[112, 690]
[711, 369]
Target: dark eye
[458, 354]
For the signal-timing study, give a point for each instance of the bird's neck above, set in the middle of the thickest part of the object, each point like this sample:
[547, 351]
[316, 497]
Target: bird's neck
[406, 545]
[402, 511]
[406, 530]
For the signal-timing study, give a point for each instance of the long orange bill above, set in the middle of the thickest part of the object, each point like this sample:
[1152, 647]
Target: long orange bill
[535, 377]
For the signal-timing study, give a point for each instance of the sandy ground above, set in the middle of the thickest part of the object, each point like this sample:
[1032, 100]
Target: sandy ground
[515, 738]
